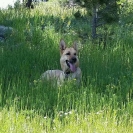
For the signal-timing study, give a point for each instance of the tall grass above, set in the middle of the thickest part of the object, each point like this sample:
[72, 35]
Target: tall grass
[103, 102]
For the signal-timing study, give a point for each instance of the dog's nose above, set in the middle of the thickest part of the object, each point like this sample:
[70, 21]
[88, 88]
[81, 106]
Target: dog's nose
[73, 60]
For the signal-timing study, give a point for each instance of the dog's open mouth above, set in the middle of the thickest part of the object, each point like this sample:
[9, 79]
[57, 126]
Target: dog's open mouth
[72, 66]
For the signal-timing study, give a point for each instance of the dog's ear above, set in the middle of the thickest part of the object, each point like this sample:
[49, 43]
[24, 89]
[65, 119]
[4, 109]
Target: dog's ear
[75, 46]
[62, 45]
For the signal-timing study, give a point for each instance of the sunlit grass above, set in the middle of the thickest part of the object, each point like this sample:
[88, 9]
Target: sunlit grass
[103, 102]
[106, 120]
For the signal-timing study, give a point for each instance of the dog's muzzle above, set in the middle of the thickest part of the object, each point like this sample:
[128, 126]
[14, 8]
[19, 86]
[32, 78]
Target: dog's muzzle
[71, 64]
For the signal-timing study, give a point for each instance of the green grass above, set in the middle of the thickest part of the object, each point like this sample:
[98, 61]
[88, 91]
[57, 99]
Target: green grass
[104, 101]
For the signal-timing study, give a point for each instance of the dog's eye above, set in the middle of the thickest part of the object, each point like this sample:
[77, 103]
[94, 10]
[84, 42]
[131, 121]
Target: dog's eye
[68, 53]
[75, 54]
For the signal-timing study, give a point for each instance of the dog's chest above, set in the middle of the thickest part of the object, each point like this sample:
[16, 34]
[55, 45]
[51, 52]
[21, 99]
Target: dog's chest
[71, 76]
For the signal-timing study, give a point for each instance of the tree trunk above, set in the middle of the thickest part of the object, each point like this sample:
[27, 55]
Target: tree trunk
[29, 4]
[94, 22]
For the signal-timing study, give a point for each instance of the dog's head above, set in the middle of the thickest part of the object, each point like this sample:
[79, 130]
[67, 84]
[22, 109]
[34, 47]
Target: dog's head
[69, 60]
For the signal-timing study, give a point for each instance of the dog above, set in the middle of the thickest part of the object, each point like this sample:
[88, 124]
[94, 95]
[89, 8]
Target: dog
[69, 64]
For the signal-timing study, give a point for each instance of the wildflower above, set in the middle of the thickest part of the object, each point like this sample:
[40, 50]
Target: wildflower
[45, 117]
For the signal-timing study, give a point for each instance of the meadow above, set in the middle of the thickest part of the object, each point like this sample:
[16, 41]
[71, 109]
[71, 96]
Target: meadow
[104, 101]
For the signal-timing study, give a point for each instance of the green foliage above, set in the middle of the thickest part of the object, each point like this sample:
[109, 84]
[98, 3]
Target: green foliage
[106, 9]
[103, 102]
[94, 2]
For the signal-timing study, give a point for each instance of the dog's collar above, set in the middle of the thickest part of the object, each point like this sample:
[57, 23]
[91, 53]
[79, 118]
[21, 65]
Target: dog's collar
[66, 74]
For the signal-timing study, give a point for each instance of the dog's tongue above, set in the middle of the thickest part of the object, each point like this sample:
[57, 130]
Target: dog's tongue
[72, 67]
